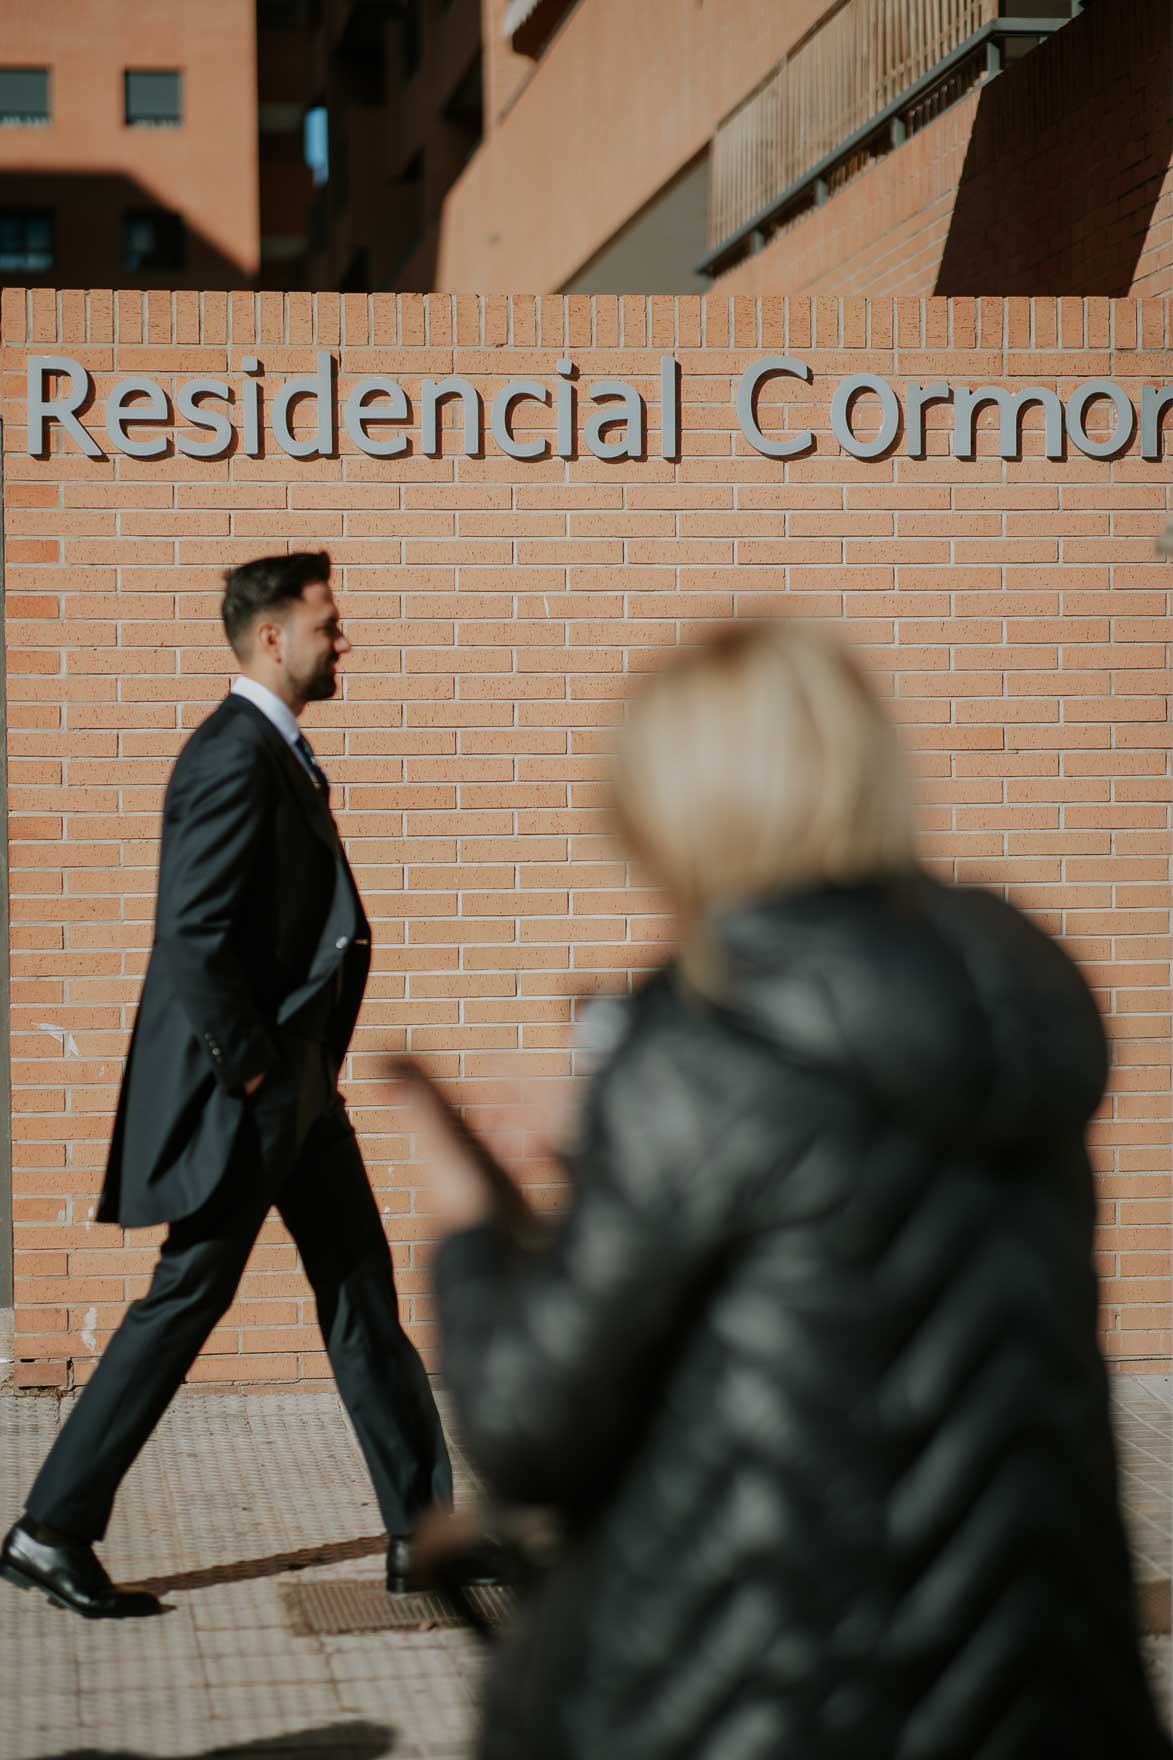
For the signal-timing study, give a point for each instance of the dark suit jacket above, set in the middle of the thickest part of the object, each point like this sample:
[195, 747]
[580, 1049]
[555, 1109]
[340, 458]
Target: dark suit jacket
[260, 943]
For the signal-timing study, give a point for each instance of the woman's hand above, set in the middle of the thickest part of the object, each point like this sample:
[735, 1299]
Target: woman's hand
[477, 1174]
[461, 1195]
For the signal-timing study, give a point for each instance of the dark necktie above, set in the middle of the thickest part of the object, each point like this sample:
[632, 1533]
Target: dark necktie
[321, 780]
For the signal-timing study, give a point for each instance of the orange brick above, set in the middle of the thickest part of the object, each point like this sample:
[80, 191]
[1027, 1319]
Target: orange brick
[1012, 611]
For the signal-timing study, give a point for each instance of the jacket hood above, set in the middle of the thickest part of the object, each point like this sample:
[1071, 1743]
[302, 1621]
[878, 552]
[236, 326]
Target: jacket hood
[946, 1006]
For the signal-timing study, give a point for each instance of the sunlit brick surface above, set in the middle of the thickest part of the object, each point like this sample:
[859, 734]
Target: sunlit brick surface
[1014, 610]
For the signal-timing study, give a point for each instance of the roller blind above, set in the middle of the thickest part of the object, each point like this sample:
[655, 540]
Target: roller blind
[24, 94]
[154, 98]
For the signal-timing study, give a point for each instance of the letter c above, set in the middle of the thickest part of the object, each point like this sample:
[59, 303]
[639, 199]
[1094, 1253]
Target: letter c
[747, 394]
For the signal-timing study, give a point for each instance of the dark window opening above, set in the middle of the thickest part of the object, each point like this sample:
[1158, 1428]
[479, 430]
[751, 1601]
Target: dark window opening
[411, 39]
[24, 96]
[285, 15]
[407, 209]
[319, 223]
[26, 240]
[153, 99]
[357, 278]
[361, 56]
[465, 114]
[338, 158]
[466, 105]
[153, 238]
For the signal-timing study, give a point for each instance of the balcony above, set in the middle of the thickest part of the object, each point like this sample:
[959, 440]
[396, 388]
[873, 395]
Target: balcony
[867, 75]
[529, 25]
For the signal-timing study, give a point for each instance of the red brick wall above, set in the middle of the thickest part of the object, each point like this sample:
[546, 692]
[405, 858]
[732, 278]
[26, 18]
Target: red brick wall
[1015, 610]
[1057, 177]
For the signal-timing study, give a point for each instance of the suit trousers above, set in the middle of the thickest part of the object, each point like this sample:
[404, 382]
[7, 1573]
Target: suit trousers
[324, 1198]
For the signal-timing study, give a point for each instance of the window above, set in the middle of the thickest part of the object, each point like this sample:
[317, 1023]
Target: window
[411, 39]
[465, 113]
[26, 240]
[153, 100]
[152, 238]
[407, 221]
[360, 57]
[285, 15]
[24, 96]
[317, 144]
[358, 275]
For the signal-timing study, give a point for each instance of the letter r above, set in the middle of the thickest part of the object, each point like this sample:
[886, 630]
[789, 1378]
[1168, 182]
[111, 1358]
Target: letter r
[59, 408]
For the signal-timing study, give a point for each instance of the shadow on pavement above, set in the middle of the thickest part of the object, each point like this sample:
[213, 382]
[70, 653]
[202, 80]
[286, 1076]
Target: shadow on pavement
[244, 1570]
[333, 1741]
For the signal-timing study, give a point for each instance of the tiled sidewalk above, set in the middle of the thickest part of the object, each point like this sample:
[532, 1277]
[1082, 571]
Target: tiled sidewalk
[1143, 1408]
[230, 1482]
[232, 1489]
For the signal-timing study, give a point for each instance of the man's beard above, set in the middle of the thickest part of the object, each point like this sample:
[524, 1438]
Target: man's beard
[320, 685]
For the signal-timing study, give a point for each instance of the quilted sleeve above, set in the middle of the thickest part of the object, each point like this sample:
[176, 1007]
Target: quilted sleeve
[553, 1356]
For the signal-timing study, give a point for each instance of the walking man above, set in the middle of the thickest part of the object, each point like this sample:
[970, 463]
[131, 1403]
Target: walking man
[229, 1103]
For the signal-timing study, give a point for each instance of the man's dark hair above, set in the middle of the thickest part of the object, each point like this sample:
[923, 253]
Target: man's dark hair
[269, 582]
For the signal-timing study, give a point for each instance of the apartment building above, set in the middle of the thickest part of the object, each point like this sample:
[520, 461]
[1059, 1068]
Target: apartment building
[589, 146]
[864, 146]
[394, 91]
[128, 143]
[234, 143]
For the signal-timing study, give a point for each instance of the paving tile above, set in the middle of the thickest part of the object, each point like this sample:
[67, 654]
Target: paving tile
[245, 1484]
[254, 1708]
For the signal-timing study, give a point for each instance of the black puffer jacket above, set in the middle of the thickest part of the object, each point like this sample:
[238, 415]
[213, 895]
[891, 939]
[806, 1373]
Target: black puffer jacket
[810, 1367]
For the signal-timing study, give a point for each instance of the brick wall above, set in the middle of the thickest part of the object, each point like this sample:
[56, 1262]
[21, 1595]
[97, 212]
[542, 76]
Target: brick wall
[1014, 609]
[1055, 177]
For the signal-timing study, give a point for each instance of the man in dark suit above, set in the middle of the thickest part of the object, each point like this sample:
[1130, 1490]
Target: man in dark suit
[229, 1103]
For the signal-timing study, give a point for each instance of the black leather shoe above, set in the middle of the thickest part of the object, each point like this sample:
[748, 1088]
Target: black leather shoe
[484, 1564]
[69, 1573]
[399, 1565]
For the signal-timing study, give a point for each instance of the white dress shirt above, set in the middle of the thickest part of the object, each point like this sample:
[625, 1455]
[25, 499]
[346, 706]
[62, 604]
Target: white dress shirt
[270, 705]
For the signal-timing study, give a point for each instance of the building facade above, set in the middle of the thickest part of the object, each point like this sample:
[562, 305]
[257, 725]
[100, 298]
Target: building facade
[586, 146]
[399, 90]
[128, 143]
[980, 146]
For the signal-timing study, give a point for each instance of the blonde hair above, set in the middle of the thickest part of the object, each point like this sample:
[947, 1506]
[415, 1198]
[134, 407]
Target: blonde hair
[761, 761]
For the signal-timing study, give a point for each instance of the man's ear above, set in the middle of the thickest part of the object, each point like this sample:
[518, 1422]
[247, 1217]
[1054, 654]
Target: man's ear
[265, 637]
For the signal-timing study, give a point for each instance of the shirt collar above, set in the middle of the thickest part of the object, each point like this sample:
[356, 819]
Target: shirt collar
[271, 706]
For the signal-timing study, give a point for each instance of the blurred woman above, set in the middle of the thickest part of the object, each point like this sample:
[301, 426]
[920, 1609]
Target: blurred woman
[808, 1365]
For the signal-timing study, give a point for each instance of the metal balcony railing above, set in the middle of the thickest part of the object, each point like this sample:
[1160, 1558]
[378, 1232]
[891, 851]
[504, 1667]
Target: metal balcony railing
[847, 84]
